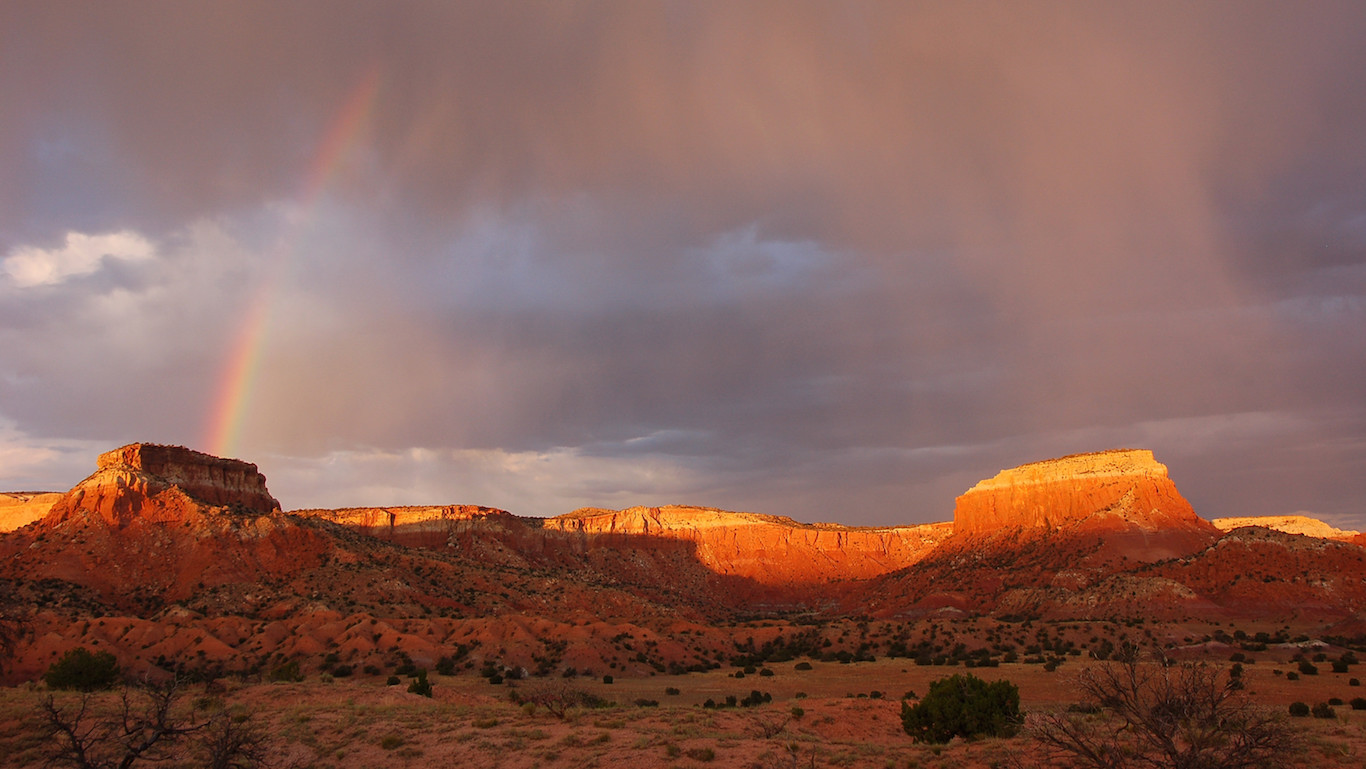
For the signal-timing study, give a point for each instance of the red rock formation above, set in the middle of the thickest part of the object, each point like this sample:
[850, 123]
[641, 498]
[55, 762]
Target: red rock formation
[769, 550]
[1288, 524]
[20, 508]
[1121, 489]
[415, 526]
[140, 480]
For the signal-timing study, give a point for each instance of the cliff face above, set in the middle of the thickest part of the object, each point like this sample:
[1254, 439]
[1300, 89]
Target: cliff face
[165, 482]
[1122, 489]
[156, 523]
[770, 550]
[1289, 524]
[429, 526]
[21, 508]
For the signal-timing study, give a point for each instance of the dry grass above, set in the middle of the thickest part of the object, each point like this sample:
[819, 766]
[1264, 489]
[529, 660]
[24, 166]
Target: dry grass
[360, 722]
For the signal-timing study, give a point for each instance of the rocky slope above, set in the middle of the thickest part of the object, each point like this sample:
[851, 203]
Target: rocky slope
[171, 557]
[136, 560]
[1063, 537]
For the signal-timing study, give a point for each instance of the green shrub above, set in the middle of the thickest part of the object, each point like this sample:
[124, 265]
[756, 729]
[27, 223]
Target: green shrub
[701, 754]
[963, 706]
[421, 685]
[1323, 710]
[1299, 709]
[1358, 703]
[82, 669]
[393, 681]
[607, 679]
[286, 671]
[390, 741]
[802, 666]
[1308, 668]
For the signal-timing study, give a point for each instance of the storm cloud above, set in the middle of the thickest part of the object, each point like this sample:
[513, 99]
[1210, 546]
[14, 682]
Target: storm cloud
[834, 261]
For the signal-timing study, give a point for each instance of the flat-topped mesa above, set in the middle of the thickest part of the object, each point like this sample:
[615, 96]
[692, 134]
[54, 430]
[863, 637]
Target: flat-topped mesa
[131, 478]
[1120, 489]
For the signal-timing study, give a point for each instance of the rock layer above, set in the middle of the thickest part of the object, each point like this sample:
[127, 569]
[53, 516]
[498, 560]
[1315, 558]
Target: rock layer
[20, 508]
[1288, 524]
[148, 479]
[1120, 489]
[770, 550]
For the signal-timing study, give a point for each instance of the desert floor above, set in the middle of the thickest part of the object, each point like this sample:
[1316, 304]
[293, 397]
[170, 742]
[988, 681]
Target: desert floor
[362, 722]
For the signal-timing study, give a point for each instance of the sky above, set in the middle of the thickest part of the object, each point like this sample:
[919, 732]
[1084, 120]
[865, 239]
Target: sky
[836, 261]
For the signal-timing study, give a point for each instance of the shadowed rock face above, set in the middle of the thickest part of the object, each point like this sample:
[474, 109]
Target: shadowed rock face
[1119, 489]
[145, 479]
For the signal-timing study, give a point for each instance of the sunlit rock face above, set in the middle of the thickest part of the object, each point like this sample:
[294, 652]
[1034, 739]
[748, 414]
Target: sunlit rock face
[771, 550]
[165, 482]
[1303, 525]
[20, 508]
[1118, 489]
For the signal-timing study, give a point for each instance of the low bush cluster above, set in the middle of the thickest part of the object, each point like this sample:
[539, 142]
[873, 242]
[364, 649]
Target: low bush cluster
[83, 670]
[963, 706]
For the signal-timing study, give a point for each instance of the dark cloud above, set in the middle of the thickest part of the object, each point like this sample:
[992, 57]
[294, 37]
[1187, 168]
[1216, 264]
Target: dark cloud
[835, 261]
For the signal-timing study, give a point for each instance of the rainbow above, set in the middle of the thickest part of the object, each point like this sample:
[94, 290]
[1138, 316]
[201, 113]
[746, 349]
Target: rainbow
[229, 407]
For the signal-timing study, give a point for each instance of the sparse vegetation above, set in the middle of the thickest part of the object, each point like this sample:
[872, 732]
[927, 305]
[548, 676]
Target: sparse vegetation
[963, 706]
[1183, 716]
[420, 684]
[148, 727]
[83, 670]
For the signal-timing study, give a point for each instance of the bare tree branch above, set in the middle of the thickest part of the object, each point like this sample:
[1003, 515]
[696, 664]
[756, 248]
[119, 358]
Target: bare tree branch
[148, 726]
[1186, 716]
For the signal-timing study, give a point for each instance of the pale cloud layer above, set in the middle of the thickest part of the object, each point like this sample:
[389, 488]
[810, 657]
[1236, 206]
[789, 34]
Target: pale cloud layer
[835, 261]
[80, 254]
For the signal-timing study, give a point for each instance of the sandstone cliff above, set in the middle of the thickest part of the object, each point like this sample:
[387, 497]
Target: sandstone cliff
[1121, 489]
[1288, 524]
[165, 482]
[769, 550]
[20, 508]
[414, 525]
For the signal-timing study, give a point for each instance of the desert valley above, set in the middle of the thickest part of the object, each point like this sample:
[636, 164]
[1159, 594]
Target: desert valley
[661, 636]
